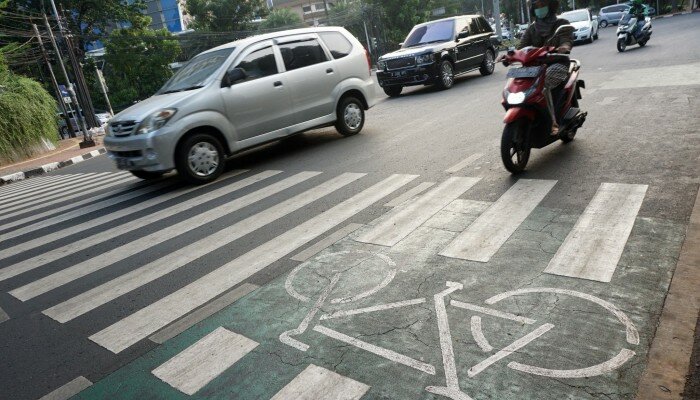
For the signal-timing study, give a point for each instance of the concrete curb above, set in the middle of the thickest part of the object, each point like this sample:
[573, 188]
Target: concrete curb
[674, 14]
[22, 175]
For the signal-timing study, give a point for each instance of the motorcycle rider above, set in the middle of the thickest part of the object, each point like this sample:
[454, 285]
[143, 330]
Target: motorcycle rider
[541, 33]
[637, 10]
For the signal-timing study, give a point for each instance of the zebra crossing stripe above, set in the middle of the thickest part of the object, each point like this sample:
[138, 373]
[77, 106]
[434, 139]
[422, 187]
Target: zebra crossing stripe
[595, 244]
[411, 193]
[3, 316]
[482, 239]
[401, 221]
[76, 192]
[141, 276]
[47, 190]
[464, 163]
[80, 208]
[15, 188]
[316, 383]
[69, 390]
[109, 234]
[199, 364]
[148, 320]
[102, 294]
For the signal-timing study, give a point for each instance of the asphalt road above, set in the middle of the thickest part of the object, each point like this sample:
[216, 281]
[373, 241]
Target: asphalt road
[641, 130]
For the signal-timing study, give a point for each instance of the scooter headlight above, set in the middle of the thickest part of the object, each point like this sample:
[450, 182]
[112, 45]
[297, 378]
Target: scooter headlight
[516, 98]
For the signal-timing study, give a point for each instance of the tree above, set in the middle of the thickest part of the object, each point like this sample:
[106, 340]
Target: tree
[225, 15]
[399, 16]
[137, 61]
[281, 18]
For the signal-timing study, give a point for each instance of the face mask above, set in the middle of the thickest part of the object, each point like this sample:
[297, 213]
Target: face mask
[541, 12]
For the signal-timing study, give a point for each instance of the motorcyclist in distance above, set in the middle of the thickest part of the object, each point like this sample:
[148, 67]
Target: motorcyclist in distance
[541, 33]
[637, 10]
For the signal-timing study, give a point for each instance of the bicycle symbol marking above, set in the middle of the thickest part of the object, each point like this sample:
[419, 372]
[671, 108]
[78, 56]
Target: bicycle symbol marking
[452, 388]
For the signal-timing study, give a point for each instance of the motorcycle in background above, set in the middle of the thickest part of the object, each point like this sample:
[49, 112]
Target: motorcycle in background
[629, 34]
[528, 123]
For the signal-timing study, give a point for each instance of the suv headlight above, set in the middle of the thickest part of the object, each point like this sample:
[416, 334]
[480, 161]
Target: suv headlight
[155, 121]
[424, 59]
[381, 64]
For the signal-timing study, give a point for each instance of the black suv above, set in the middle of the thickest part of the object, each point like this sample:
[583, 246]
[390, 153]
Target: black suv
[435, 52]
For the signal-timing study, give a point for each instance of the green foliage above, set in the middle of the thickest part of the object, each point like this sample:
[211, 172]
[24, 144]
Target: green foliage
[225, 15]
[137, 61]
[399, 16]
[281, 18]
[27, 116]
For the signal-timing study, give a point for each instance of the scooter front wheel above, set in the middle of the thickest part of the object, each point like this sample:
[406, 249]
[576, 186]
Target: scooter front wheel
[621, 44]
[515, 149]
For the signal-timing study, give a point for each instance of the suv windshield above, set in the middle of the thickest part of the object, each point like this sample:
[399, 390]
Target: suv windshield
[440, 31]
[576, 16]
[197, 72]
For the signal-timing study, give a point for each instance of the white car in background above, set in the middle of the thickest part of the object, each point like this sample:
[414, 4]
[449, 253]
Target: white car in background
[586, 25]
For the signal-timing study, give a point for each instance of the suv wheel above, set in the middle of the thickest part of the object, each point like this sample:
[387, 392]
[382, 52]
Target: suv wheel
[200, 158]
[488, 65]
[603, 23]
[350, 116]
[393, 91]
[447, 75]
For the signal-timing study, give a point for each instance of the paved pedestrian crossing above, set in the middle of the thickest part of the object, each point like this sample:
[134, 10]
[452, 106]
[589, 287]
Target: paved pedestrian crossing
[38, 220]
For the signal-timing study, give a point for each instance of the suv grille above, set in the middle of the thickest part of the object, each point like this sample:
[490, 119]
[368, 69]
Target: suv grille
[401, 63]
[122, 128]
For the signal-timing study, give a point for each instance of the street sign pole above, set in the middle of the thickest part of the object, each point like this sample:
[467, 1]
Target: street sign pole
[497, 18]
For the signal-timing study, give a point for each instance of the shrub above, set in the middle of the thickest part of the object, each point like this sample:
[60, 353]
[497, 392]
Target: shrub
[27, 117]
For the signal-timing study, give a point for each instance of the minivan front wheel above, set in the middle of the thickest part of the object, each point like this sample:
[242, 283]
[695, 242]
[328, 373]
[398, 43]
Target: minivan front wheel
[200, 158]
[350, 116]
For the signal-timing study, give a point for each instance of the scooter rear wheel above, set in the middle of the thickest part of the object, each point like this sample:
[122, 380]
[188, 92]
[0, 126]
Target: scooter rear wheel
[515, 150]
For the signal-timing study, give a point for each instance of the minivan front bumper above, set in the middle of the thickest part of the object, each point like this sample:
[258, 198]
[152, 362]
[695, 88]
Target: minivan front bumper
[148, 152]
[419, 75]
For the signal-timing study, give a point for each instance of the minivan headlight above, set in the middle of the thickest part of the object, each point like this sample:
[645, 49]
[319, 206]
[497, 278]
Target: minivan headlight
[155, 121]
[424, 59]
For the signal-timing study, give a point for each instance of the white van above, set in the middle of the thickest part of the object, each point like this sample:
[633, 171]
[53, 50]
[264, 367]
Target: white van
[243, 94]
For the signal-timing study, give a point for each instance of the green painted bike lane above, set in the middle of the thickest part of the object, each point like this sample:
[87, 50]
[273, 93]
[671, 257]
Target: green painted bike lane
[542, 322]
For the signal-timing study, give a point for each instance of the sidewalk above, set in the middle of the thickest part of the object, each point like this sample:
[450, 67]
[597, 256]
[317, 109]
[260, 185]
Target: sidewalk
[68, 152]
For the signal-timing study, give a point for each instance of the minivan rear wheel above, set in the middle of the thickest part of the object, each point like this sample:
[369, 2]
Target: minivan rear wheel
[603, 23]
[350, 116]
[200, 158]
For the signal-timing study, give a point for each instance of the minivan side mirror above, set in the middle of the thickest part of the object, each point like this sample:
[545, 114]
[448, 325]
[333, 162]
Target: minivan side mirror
[462, 35]
[233, 76]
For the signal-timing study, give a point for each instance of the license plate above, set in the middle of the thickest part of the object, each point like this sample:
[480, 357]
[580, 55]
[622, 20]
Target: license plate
[122, 163]
[398, 74]
[525, 72]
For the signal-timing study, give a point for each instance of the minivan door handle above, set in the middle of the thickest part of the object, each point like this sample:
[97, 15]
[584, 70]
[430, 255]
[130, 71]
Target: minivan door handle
[278, 84]
[329, 71]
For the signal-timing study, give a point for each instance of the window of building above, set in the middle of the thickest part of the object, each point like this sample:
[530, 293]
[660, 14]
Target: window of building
[338, 44]
[306, 9]
[302, 54]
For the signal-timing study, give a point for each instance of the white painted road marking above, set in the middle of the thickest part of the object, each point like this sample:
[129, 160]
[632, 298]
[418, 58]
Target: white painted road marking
[608, 366]
[7, 191]
[508, 350]
[69, 390]
[494, 313]
[464, 163]
[401, 221]
[380, 351]
[144, 243]
[409, 194]
[381, 307]
[316, 383]
[110, 290]
[43, 186]
[595, 244]
[3, 316]
[200, 363]
[485, 236]
[109, 234]
[144, 322]
[478, 334]
[326, 242]
[42, 192]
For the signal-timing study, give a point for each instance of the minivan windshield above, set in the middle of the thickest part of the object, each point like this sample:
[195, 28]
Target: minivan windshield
[439, 31]
[576, 16]
[196, 73]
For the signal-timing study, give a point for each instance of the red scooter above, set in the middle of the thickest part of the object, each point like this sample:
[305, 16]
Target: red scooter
[528, 120]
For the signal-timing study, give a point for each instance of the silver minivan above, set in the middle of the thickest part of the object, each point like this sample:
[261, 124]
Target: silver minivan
[243, 94]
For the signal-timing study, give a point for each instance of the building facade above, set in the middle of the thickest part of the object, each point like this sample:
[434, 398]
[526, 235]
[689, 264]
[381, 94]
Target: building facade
[166, 14]
[312, 12]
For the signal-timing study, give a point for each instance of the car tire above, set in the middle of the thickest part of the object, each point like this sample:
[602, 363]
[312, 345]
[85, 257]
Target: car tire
[603, 23]
[200, 158]
[590, 39]
[489, 64]
[393, 91]
[350, 116]
[447, 75]
[147, 175]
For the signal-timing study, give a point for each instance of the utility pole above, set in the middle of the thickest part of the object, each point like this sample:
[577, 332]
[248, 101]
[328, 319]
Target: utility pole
[101, 79]
[87, 138]
[59, 97]
[496, 16]
[328, 15]
[88, 141]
